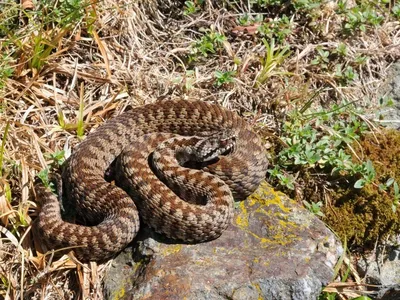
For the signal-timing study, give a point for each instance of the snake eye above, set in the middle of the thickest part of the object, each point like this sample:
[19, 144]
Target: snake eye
[224, 143]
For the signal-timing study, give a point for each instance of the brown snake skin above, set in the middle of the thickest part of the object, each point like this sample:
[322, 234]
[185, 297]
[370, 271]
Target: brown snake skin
[109, 211]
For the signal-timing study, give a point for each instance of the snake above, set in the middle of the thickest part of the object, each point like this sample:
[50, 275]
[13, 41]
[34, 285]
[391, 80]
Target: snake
[178, 166]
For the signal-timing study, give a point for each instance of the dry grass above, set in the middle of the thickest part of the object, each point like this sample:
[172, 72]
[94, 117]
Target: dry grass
[121, 54]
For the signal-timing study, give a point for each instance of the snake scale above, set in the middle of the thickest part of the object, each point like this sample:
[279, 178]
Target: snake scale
[108, 219]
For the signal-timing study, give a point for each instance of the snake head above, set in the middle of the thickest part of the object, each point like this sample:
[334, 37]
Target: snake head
[218, 143]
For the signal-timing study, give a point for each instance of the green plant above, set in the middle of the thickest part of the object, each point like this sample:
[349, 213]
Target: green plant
[244, 19]
[6, 70]
[57, 158]
[347, 75]
[266, 3]
[369, 214]
[42, 48]
[80, 130]
[322, 59]
[361, 59]
[62, 14]
[224, 77]
[396, 11]
[9, 12]
[358, 17]
[79, 126]
[386, 101]
[43, 175]
[368, 172]
[341, 49]
[49, 23]
[285, 179]
[208, 44]
[396, 192]
[274, 56]
[318, 140]
[186, 81]
[247, 19]
[314, 207]
[192, 6]
[278, 29]
[306, 5]
[2, 147]
[327, 296]
[396, 201]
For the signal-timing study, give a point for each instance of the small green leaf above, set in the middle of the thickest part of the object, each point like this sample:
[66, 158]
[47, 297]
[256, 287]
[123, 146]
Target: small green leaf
[396, 189]
[359, 183]
[389, 182]
[369, 166]
[44, 176]
[362, 298]
[394, 207]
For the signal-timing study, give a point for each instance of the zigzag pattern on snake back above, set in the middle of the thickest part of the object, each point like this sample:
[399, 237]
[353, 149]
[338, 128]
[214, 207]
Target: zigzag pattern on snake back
[109, 211]
[196, 206]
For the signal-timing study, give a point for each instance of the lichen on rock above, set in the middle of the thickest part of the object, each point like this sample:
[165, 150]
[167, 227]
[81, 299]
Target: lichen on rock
[274, 249]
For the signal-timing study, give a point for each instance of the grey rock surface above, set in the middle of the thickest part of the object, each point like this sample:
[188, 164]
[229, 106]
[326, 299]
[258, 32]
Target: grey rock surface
[391, 115]
[274, 249]
[382, 269]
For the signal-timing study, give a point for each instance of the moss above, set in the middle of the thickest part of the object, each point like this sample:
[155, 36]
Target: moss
[365, 216]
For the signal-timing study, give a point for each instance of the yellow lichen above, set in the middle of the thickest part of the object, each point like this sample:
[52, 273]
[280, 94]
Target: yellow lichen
[260, 293]
[120, 294]
[271, 204]
[243, 217]
[171, 249]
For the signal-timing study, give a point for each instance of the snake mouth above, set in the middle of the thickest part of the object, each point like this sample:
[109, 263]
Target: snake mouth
[211, 157]
[229, 149]
[222, 147]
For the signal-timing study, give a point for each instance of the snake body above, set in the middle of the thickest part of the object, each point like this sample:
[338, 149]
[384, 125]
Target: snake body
[107, 217]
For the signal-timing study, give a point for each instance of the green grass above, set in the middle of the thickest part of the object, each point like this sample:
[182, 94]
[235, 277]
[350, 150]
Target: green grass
[3, 143]
[274, 56]
[49, 23]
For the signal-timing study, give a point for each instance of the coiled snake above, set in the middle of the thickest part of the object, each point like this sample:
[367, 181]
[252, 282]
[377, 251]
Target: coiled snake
[151, 137]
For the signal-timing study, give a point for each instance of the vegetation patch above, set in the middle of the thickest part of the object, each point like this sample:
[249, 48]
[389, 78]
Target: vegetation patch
[365, 216]
[343, 173]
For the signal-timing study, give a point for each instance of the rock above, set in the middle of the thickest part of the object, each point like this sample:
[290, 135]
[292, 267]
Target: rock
[382, 269]
[391, 115]
[274, 249]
